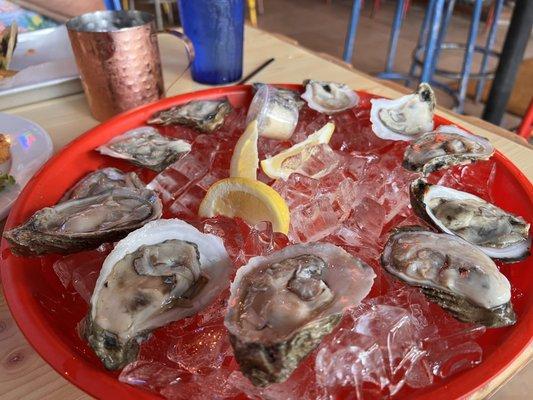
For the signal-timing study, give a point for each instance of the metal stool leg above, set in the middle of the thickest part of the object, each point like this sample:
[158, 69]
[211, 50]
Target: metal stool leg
[469, 55]
[432, 42]
[422, 35]
[450, 5]
[488, 47]
[351, 32]
[158, 15]
[131, 4]
[395, 35]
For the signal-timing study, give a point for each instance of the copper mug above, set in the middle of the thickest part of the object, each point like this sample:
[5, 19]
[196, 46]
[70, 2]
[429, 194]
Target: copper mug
[118, 59]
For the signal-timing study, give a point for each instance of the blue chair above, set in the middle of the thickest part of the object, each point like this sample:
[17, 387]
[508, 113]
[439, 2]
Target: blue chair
[431, 43]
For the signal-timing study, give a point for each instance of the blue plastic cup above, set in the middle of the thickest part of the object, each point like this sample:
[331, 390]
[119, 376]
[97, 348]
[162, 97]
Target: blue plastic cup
[216, 30]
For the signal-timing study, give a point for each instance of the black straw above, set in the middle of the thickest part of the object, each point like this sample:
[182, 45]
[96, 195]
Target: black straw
[255, 71]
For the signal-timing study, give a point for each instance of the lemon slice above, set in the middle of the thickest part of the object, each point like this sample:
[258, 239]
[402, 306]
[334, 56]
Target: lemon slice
[245, 159]
[288, 161]
[248, 199]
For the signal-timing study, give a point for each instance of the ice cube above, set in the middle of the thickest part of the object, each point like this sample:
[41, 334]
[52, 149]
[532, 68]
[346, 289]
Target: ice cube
[202, 348]
[313, 221]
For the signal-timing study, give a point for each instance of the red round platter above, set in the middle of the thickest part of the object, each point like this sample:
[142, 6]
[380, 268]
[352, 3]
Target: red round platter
[32, 291]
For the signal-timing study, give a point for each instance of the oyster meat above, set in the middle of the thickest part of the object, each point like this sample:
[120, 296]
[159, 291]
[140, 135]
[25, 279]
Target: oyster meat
[446, 146]
[163, 272]
[101, 181]
[85, 223]
[204, 115]
[275, 112]
[289, 94]
[498, 233]
[283, 304]
[329, 97]
[405, 118]
[146, 147]
[453, 273]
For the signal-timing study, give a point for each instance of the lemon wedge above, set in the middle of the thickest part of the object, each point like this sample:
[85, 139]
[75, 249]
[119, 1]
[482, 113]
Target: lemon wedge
[245, 159]
[248, 199]
[288, 161]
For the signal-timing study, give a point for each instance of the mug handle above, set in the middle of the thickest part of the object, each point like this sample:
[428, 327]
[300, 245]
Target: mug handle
[188, 47]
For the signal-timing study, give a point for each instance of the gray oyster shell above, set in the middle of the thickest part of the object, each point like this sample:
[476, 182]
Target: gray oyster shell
[160, 273]
[288, 94]
[446, 146]
[146, 147]
[452, 273]
[85, 223]
[282, 305]
[204, 115]
[101, 181]
[498, 233]
[329, 97]
[405, 118]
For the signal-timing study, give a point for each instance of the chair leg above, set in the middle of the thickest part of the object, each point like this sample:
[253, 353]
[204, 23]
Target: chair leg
[488, 47]
[253, 12]
[448, 13]
[351, 32]
[422, 36]
[431, 44]
[131, 4]
[469, 55]
[158, 15]
[395, 35]
[260, 7]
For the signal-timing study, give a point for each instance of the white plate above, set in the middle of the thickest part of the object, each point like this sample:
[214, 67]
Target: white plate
[31, 147]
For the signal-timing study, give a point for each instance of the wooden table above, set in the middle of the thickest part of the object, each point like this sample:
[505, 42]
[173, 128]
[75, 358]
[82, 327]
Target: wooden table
[24, 375]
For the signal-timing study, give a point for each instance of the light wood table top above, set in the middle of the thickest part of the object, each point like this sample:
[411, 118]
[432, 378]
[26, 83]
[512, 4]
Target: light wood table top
[24, 375]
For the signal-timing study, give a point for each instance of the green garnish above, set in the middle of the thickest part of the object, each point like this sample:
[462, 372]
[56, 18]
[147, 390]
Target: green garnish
[6, 180]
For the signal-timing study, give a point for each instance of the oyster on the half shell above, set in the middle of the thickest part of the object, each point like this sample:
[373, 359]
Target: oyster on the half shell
[146, 147]
[283, 304]
[329, 97]
[405, 118]
[204, 115]
[101, 181]
[85, 223]
[453, 273]
[498, 233]
[163, 272]
[446, 146]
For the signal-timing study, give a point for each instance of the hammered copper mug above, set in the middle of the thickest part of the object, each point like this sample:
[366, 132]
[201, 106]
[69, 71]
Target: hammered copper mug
[118, 59]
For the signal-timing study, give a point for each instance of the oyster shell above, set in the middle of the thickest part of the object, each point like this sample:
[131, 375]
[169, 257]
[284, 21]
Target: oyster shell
[446, 146]
[405, 118]
[101, 181]
[283, 304]
[499, 234]
[329, 97]
[288, 94]
[204, 115]
[453, 273]
[85, 223]
[163, 272]
[146, 147]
